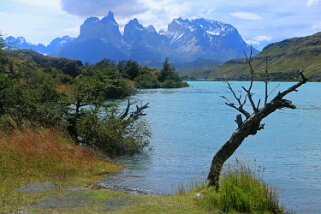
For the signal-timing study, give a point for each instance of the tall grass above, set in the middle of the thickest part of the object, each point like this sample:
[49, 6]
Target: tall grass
[242, 190]
[44, 155]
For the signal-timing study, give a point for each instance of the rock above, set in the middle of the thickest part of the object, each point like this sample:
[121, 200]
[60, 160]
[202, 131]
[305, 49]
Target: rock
[36, 187]
[69, 201]
[198, 196]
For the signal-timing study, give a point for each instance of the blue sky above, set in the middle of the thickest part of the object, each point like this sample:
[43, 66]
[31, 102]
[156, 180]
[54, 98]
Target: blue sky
[259, 22]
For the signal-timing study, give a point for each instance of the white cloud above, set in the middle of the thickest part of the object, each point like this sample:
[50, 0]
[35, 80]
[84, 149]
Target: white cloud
[259, 41]
[311, 3]
[160, 13]
[155, 12]
[262, 38]
[53, 5]
[317, 27]
[246, 16]
[86, 8]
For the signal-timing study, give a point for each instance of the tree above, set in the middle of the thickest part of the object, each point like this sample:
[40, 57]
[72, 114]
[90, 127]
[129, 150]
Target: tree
[168, 72]
[94, 121]
[87, 91]
[252, 123]
[129, 69]
[2, 53]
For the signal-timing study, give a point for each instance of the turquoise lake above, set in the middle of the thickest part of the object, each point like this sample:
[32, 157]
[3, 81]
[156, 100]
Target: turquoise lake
[189, 125]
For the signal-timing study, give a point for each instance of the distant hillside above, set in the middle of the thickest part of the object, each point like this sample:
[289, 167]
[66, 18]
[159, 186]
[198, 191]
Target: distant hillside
[200, 69]
[28, 60]
[285, 59]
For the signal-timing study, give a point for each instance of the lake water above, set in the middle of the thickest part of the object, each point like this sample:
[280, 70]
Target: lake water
[190, 124]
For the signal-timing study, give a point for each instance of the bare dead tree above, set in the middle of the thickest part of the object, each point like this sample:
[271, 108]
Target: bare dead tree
[252, 123]
[135, 114]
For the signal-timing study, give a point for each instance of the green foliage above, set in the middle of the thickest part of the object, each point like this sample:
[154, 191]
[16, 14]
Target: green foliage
[53, 92]
[168, 72]
[35, 101]
[30, 60]
[3, 57]
[168, 78]
[106, 68]
[101, 128]
[129, 69]
[173, 84]
[147, 79]
[243, 191]
[95, 124]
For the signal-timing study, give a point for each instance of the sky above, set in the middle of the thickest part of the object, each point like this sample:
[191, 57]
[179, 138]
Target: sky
[259, 22]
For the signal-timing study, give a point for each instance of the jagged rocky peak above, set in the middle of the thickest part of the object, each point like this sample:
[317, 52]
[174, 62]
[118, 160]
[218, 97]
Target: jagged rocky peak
[91, 20]
[151, 29]
[180, 24]
[134, 24]
[133, 30]
[214, 28]
[110, 18]
[106, 30]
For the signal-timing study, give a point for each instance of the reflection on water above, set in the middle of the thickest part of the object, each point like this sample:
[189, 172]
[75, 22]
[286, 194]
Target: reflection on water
[190, 124]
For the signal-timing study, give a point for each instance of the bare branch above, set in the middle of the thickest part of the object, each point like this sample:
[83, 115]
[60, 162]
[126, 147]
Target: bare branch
[139, 112]
[293, 88]
[225, 98]
[278, 85]
[258, 104]
[125, 114]
[248, 91]
[249, 96]
[238, 99]
[234, 94]
[240, 109]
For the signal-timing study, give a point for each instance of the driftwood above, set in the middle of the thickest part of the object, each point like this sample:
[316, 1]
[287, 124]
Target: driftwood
[135, 114]
[252, 123]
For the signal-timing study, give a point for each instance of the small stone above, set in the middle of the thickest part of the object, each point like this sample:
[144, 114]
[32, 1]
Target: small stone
[198, 196]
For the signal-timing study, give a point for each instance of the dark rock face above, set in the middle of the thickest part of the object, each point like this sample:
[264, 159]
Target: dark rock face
[184, 41]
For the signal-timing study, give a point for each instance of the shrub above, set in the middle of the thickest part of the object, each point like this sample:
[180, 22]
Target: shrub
[147, 81]
[243, 191]
[35, 101]
[173, 84]
[102, 129]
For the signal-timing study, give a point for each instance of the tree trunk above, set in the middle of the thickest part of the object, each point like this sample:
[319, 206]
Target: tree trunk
[250, 127]
[225, 152]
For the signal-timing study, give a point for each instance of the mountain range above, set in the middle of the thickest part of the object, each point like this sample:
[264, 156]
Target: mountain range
[184, 41]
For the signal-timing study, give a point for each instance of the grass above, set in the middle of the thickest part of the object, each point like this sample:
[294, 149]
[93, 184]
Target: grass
[47, 155]
[242, 190]
[42, 155]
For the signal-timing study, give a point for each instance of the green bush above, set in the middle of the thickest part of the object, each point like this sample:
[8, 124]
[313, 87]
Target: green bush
[147, 81]
[35, 101]
[173, 84]
[243, 191]
[102, 129]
